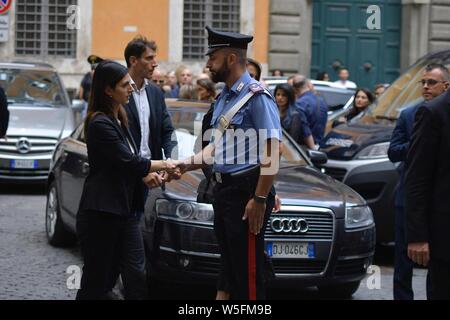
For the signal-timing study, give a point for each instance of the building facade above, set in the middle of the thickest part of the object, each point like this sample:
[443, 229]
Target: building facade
[305, 36]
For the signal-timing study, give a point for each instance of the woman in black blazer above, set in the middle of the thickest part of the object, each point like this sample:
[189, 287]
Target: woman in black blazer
[113, 190]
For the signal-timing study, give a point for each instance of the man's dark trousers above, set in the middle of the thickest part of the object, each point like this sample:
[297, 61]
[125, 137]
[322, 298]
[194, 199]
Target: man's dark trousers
[242, 253]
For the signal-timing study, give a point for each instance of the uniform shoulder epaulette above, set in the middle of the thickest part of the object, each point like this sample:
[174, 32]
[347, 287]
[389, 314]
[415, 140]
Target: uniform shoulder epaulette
[256, 88]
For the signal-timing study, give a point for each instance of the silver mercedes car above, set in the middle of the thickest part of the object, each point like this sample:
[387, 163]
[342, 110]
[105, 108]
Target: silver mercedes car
[40, 115]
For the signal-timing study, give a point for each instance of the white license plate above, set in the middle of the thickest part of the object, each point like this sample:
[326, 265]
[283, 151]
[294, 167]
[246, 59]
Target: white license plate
[303, 250]
[24, 164]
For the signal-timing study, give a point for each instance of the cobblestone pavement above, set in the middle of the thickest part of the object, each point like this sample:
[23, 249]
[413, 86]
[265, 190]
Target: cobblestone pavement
[32, 269]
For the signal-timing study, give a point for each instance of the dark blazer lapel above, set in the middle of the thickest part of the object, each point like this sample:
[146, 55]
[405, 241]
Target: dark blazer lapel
[132, 142]
[153, 116]
[118, 128]
[134, 112]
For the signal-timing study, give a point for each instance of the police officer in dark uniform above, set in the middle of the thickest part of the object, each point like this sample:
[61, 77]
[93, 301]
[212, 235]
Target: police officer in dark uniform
[244, 169]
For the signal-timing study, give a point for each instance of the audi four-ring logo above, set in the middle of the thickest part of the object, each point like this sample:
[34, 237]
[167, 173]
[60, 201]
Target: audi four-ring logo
[288, 225]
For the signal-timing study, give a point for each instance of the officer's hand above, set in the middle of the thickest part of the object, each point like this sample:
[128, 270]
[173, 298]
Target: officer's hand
[153, 180]
[419, 253]
[255, 214]
[277, 206]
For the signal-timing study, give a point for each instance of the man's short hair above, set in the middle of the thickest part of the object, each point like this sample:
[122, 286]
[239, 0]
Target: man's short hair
[439, 66]
[240, 53]
[137, 46]
[300, 82]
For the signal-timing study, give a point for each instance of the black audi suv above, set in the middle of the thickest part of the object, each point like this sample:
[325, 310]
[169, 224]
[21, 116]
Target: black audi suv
[323, 236]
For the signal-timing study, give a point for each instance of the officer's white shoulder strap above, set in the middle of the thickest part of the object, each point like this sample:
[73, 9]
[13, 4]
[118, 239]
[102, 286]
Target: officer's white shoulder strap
[225, 120]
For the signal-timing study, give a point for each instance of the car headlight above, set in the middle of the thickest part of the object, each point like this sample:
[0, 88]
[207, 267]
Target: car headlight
[185, 211]
[375, 151]
[358, 217]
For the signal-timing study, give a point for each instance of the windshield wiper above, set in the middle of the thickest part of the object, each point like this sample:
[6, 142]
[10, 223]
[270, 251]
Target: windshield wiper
[386, 118]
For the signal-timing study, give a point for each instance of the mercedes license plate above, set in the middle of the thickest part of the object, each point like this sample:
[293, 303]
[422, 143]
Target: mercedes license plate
[302, 250]
[24, 164]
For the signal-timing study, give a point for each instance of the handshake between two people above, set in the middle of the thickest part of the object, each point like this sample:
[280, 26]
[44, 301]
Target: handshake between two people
[163, 171]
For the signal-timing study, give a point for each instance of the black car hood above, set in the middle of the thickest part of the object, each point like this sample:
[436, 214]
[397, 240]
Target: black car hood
[295, 185]
[346, 140]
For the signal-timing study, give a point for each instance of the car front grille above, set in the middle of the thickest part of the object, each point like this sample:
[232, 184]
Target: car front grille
[320, 226]
[37, 145]
[295, 266]
[350, 267]
[281, 266]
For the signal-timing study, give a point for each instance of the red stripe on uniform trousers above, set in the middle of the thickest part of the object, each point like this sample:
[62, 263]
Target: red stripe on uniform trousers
[251, 266]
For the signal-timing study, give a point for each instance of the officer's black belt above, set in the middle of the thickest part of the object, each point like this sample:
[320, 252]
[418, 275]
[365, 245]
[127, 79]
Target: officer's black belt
[236, 177]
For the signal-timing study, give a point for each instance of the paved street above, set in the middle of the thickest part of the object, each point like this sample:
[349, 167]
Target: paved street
[32, 269]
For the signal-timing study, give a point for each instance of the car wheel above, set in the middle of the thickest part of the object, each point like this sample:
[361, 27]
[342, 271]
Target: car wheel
[340, 291]
[57, 234]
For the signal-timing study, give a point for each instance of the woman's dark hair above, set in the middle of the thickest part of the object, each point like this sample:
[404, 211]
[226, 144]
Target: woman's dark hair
[288, 90]
[321, 75]
[258, 67]
[209, 86]
[107, 74]
[354, 110]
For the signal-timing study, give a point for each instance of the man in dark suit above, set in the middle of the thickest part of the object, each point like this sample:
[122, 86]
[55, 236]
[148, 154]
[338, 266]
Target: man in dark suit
[427, 188]
[4, 114]
[398, 149]
[150, 123]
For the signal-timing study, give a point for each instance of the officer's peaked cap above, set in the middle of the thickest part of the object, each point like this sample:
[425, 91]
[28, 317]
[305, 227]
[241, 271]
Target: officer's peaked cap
[220, 39]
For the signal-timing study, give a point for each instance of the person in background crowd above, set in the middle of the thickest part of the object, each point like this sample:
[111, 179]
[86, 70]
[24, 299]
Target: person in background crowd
[186, 77]
[188, 92]
[85, 87]
[112, 193]
[323, 76]
[362, 99]
[432, 86]
[206, 90]
[290, 80]
[343, 79]
[172, 80]
[313, 112]
[277, 73]
[203, 76]
[4, 114]
[379, 89]
[159, 79]
[254, 69]
[290, 118]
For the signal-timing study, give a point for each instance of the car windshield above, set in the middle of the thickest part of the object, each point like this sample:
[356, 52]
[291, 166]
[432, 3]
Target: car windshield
[38, 88]
[188, 122]
[404, 92]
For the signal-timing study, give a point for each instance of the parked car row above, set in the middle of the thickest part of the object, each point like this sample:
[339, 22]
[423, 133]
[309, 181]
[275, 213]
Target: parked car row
[324, 235]
[357, 151]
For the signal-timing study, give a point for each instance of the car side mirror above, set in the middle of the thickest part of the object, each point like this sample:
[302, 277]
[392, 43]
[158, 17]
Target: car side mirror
[78, 105]
[317, 157]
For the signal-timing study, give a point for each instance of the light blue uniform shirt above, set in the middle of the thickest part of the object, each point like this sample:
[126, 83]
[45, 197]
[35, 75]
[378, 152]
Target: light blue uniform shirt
[256, 122]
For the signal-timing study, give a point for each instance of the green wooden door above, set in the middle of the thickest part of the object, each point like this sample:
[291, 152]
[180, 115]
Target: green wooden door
[341, 38]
